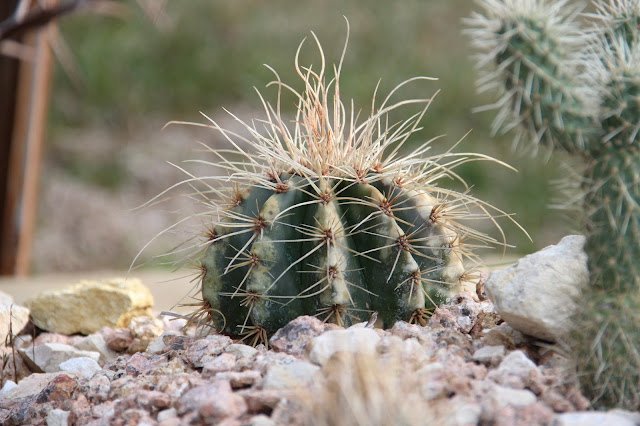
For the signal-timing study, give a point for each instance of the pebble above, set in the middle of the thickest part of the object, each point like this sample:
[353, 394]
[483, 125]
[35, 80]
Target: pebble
[294, 337]
[169, 413]
[241, 351]
[13, 317]
[224, 362]
[213, 402]
[489, 355]
[261, 420]
[143, 331]
[298, 374]
[95, 343]
[48, 356]
[207, 349]
[354, 340]
[85, 367]
[239, 379]
[117, 340]
[58, 417]
[592, 418]
[514, 370]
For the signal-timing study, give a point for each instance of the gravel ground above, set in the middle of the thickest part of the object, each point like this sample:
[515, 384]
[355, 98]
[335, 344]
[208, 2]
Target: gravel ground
[466, 366]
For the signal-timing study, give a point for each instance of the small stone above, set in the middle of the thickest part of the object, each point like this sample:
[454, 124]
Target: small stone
[261, 420]
[241, 351]
[514, 371]
[15, 366]
[47, 357]
[32, 385]
[462, 412]
[432, 380]
[489, 355]
[148, 400]
[58, 390]
[514, 397]
[143, 330]
[8, 385]
[169, 413]
[504, 335]
[262, 400]
[239, 379]
[532, 414]
[117, 340]
[84, 366]
[538, 294]
[58, 417]
[96, 343]
[223, 362]
[205, 350]
[297, 374]
[51, 338]
[591, 418]
[354, 340]
[88, 306]
[557, 401]
[98, 387]
[12, 316]
[138, 364]
[405, 330]
[213, 402]
[293, 337]
[157, 345]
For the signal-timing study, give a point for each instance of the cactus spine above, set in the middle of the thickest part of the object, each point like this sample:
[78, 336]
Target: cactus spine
[575, 86]
[329, 219]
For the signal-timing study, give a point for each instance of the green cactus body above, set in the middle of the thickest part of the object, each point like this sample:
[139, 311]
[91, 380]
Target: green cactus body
[577, 87]
[331, 247]
[329, 219]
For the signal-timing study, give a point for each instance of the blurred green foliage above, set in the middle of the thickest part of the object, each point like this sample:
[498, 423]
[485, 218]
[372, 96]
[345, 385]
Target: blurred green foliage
[209, 54]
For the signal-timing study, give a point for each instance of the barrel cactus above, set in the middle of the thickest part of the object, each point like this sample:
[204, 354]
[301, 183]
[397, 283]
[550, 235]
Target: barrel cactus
[328, 218]
[572, 82]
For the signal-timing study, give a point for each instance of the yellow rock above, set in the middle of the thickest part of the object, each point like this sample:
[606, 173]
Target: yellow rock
[88, 306]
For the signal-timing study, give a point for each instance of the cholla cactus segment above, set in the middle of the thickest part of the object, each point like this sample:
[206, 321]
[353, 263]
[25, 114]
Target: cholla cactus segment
[613, 221]
[327, 218]
[585, 99]
[618, 75]
[608, 361]
[531, 52]
[619, 18]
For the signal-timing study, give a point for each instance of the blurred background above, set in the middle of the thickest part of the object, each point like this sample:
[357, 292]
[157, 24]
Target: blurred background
[123, 71]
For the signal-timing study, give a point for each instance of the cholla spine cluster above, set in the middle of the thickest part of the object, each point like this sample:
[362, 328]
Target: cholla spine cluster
[572, 81]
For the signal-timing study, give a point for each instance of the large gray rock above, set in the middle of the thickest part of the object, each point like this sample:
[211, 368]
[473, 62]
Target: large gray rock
[538, 295]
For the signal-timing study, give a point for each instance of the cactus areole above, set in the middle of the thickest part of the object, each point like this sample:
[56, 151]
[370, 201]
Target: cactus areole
[326, 218]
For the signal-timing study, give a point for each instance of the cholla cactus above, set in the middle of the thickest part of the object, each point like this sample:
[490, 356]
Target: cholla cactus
[328, 218]
[575, 85]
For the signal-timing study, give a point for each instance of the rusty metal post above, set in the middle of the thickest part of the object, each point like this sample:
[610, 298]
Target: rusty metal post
[23, 150]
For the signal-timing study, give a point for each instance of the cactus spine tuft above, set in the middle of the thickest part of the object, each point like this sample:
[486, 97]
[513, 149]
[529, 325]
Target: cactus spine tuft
[575, 86]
